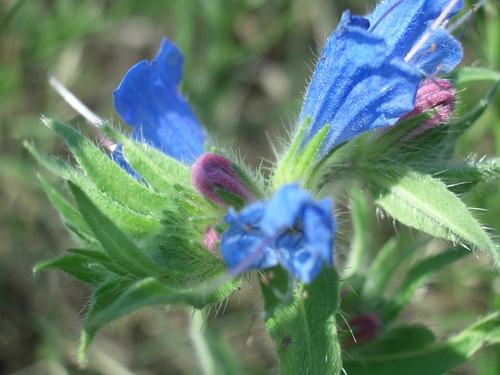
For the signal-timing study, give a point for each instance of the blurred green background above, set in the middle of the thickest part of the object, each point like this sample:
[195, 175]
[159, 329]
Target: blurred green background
[246, 69]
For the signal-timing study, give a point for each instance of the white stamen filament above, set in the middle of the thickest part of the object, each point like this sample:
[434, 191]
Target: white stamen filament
[432, 29]
[74, 102]
[83, 110]
[466, 16]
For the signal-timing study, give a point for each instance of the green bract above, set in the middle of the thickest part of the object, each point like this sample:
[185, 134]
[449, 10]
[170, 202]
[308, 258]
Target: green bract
[142, 240]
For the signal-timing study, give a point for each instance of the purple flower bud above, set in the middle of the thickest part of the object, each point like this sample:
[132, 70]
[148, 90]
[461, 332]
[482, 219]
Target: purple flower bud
[211, 239]
[213, 171]
[364, 328]
[436, 94]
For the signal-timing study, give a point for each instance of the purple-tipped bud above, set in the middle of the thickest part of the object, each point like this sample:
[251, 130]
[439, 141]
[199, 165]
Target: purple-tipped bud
[211, 239]
[433, 94]
[364, 327]
[212, 172]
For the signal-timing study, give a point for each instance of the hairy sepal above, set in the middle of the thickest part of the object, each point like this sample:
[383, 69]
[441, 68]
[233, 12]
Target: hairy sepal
[108, 176]
[158, 170]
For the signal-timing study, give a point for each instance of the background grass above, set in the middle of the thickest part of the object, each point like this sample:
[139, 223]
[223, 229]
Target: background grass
[247, 64]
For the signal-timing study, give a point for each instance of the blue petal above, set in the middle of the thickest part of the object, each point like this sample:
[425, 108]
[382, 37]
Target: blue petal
[356, 87]
[318, 226]
[244, 237]
[148, 100]
[440, 52]
[284, 209]
[292, 229]
[402, 23]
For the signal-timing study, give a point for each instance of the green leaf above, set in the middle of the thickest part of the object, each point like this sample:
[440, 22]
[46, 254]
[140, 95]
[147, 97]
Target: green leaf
[433, 359]
[101, 258]
[302, 323]
[107, 176]
[361, 222]
[397, 340]
[150, 291]
[469, 74]
[417, 276]
[465, 122]
[462, 177]
[121, 249]
[101, 298]
[419, 201]
[387, 261]
[75, 265]
[68, 212]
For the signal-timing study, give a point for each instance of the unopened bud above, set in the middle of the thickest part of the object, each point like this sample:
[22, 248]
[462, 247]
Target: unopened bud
[211, 239]
[214, 177]
[437, 94]
[364, 328]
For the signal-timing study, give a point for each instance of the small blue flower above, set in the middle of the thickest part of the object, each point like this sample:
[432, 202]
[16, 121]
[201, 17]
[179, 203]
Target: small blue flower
[292, 229]
[362, 80]
[149, 101]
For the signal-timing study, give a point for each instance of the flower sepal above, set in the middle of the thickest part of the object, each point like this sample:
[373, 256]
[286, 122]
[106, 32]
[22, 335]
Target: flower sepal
[298, 163]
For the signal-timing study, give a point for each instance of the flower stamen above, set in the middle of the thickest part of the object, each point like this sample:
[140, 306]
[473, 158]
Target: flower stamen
[432, 29]
[83, 110]
[466, 17]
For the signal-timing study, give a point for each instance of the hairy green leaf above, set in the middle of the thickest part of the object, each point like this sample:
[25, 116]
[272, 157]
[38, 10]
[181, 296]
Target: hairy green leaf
[77, 266]
[115, 243]
[419, 201]
[470, 74]
[150, 291]
[101, 298]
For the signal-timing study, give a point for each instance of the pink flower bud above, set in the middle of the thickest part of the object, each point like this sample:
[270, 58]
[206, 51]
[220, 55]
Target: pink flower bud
[211, 239]
[212, 171]
[433, 94]
[364, 327]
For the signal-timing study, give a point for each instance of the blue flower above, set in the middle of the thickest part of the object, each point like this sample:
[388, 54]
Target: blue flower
[362, 80]
[149, 101]
[292, 229]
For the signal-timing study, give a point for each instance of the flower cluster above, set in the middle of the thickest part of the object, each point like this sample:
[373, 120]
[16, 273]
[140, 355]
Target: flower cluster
[367, 77]
[170, 219]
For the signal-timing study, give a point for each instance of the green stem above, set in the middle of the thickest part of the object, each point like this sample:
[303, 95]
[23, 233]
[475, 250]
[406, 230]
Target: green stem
[201, 346]
[302, 325]
[214, 356]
